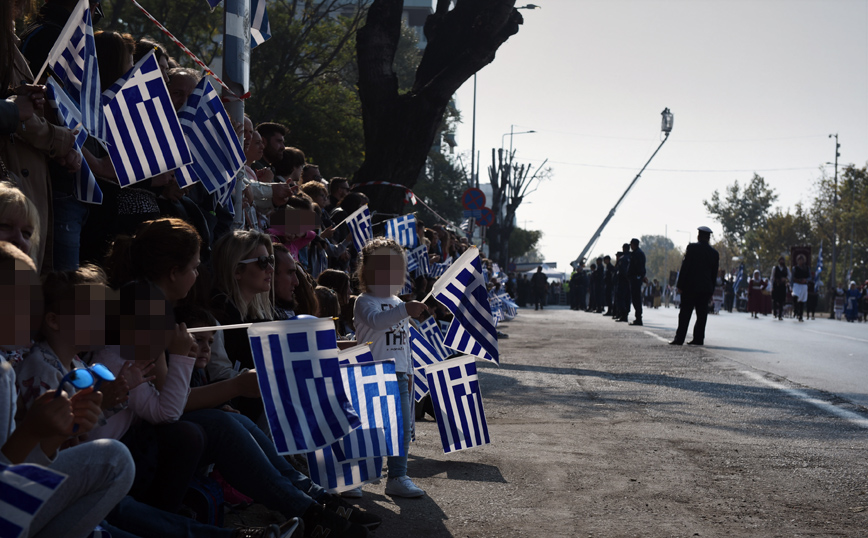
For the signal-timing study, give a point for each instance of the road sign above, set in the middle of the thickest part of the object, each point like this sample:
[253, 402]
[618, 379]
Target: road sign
[473, 199]
[487, 218]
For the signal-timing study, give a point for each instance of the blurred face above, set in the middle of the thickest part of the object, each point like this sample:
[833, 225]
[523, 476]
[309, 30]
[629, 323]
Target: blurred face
[274, 147]
[254, 151]
[248, 132]
[285, 276]
[204, 341]
[341, 190]
[384, 272]
[83, 320]
[182, 279]
[22, 300]
[180, 89]
[781, 262]
[16, 230]
[251, 278]
[634, 245]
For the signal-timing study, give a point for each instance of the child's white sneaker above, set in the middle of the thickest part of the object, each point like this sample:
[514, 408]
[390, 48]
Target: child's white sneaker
[402, 486]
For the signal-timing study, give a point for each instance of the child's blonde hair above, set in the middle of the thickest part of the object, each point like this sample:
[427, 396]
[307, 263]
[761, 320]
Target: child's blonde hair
[14, 205]
[368, 250]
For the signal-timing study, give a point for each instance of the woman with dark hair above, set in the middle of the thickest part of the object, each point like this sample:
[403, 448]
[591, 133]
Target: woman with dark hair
[339, 282]
[288, 169]
[145, 45]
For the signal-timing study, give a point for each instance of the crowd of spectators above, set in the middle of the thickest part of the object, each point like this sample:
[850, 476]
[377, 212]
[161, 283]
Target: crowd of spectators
[123, 280]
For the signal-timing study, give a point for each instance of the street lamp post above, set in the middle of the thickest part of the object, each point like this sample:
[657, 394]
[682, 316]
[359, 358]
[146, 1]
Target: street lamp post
[511, 134]
[832, 287]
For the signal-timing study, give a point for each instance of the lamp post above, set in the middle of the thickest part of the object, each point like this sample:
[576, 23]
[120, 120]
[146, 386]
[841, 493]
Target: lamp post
[511, 134]
[529, 6]
[832, 287]
[666, 128]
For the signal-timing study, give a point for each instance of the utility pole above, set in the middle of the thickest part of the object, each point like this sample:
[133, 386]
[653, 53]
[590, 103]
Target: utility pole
[832, 287]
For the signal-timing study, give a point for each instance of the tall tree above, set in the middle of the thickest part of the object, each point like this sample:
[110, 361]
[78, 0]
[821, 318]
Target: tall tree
[743, 212]
[661, 256]
[400, 128]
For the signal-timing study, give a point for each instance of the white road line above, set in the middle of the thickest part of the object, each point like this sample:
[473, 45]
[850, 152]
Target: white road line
[649, 333]
[836, 335]
[825, 406]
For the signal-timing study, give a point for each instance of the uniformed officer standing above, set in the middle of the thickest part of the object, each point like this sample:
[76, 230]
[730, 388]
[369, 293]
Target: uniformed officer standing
[636, 274]
[696, 285]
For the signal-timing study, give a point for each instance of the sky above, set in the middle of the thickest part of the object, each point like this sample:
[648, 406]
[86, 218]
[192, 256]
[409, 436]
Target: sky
[754, 86]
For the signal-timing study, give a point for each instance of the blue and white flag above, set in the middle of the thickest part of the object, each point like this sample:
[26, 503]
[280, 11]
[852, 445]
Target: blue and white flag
[739, 278]
[437, 270]
[260, 28]
[355, 355]
[457, 404]
[376, 397]
[819, 266]
[462, 290]
[360, 226]
[217, 153]
[423, 353]
[403, 231]
[236, 43]
[73, 61]
[144, 135]
[417, 260]
[300, 380]
[23, 490]
[431, 331]
[85, 186]
[336, 476]
[510, 308]
[409, 284]
[224, 195]
[496, 309]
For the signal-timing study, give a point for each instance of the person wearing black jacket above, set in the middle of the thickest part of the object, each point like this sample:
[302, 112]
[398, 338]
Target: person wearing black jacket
[636, 275]
[608, 285]
[696, 285]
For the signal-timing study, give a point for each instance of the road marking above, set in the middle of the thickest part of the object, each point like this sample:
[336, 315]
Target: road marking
[849, 416]
[649, 333]
[835, 335]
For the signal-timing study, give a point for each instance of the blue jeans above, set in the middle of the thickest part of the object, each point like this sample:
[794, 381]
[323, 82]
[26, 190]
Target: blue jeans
[398, 464]
[248, 460]
[69, 217]
[132, 519]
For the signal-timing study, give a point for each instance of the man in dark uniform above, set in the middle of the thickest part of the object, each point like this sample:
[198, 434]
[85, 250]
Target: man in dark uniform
[600, 287]
[539, 282]
[636, 274]
[696, 285]
[608, 282]
[624, 284]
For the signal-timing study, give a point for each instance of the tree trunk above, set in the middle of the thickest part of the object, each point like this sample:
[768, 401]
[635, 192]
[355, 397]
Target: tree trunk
[400, 129]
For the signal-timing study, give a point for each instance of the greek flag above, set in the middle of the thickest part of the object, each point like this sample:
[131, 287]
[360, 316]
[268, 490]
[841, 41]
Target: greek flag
[360, 225]
[224, 195]
[260, 29]
[236, 41]
[403, 231]
[355, 355]
[510, 308]
[430, 329]
[144, 136]
[496, 309]
[217, 153]
[337, 476]
[409, 284]
[23, 490]
[424, 353]
[301, 384]
[739, 278]
[417, 260]
[374, 393]
[457, 404]
[462, 290]
[437, 270]
[819, 267]
[85, 186]
[72, 59]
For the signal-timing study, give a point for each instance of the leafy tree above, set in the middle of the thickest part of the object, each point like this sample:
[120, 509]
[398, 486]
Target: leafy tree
[782, 231]
[661, 256]
[743, 212]
[440, 188]
[400, 128]
[522, 242]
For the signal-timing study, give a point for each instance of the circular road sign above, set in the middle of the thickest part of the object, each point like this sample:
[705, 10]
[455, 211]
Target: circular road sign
[487, 218]
[473, 199]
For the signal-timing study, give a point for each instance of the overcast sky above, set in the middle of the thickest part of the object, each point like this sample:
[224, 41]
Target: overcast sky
[754, 85]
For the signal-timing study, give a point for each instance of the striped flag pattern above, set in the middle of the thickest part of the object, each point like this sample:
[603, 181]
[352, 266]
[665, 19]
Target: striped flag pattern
[431, 330]
[457, 402]
[23, 490]
[409, 284]
[510, 308]
[496, 309]
[336, 476]
[417, 260]
[437, 270]
[462, 290]
[217, 153]
[144, 136]
[374, 393]
[260, 28]
[355, 355]
[73, 61]
[424, 353]
[85, 187]
[360, 226]
[236, 42]
[403, 231]
[301, 384]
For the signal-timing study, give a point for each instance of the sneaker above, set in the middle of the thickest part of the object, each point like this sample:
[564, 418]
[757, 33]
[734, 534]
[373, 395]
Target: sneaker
[322, 522]
[355, 493]
[351, 513]
[271, 531]
[402, 486]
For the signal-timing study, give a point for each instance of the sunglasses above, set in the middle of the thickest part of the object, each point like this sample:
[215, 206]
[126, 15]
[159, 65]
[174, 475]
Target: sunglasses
[82, 378]
[263, 261]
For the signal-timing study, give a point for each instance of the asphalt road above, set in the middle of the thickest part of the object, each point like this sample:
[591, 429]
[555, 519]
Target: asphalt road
[824, 354]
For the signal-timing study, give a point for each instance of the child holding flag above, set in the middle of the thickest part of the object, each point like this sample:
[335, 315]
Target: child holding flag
[380, 317]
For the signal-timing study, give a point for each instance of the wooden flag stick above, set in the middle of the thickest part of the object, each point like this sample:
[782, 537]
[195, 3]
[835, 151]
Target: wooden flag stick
[219, 328]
